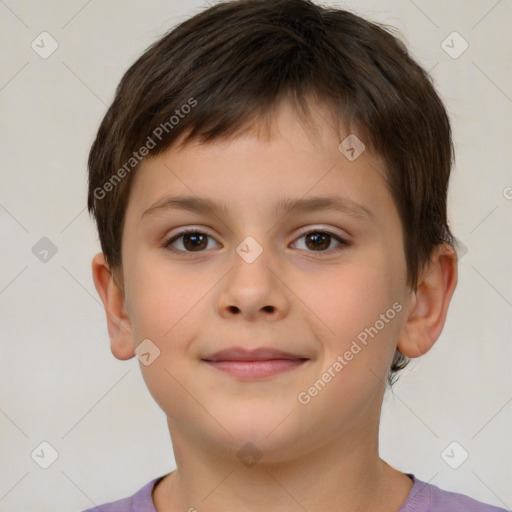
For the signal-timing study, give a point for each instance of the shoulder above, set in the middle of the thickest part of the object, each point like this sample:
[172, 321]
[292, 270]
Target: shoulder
[141, 501]
[426, 497]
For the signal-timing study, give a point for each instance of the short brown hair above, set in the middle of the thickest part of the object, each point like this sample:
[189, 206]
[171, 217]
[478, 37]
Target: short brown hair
[231, 64]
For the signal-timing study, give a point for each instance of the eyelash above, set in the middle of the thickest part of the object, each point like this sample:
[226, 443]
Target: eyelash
[343, 243]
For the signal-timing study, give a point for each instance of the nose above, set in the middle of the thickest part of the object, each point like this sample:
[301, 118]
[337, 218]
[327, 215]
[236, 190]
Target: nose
[253, 291]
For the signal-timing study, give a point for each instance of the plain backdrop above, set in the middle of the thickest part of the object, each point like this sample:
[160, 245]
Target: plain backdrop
[60, 383]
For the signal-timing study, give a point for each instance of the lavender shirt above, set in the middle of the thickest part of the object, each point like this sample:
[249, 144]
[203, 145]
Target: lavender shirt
[422, 498]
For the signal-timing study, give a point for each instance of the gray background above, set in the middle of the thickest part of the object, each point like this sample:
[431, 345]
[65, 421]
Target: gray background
[59, 382]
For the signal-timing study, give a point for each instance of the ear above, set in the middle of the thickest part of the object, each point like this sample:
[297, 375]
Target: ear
[430, 303]
[118, 321]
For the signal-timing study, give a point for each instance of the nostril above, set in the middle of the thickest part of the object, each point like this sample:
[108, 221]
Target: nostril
[270, 309]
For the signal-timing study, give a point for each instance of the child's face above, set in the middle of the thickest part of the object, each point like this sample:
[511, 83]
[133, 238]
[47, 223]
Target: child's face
[293, 298]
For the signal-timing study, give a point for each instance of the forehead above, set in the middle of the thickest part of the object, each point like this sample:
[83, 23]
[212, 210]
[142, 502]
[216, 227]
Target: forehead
[275, 161]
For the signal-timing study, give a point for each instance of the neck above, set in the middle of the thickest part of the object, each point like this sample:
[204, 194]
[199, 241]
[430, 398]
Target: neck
[342, 476]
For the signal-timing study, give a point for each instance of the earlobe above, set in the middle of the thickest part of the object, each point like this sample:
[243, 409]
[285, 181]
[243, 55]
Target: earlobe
[431, 299]
[118, 321]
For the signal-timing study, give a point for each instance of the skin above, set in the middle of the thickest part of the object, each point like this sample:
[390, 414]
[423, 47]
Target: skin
[293, 297]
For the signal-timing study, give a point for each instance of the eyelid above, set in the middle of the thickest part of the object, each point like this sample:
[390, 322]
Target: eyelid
[302, 232]
[190, 229]
[169, 239]
[322, 229]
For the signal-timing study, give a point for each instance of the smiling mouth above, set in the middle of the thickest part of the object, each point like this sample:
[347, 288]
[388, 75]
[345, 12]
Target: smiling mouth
[257, 369]
[254, 364]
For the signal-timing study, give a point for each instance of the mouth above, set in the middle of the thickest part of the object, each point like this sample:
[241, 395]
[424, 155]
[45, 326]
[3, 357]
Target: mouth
[254, 364]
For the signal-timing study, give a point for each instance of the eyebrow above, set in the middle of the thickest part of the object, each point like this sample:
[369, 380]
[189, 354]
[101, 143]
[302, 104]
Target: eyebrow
[282, 206]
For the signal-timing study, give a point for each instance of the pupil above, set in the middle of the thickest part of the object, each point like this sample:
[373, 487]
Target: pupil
[196, 239]
[322, 238]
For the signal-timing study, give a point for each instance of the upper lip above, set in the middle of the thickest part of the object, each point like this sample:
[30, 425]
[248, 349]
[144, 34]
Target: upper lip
[258, 354]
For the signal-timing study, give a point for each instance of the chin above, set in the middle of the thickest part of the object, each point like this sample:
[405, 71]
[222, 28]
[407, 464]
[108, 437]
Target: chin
[268, 432]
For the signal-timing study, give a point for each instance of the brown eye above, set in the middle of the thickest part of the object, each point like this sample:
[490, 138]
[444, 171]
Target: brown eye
[318, 241]
[188, 241]
[321, 241]
[195, 241]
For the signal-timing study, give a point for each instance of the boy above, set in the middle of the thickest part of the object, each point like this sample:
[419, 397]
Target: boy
[270, 188]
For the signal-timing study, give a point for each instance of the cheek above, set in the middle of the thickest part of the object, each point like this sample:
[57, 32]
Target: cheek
[357, 312]
[174, 394]
[349, 297]
[164, 306]
[162, 299]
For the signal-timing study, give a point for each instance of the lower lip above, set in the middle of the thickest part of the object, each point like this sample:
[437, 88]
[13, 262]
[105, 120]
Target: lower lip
[257, 369]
